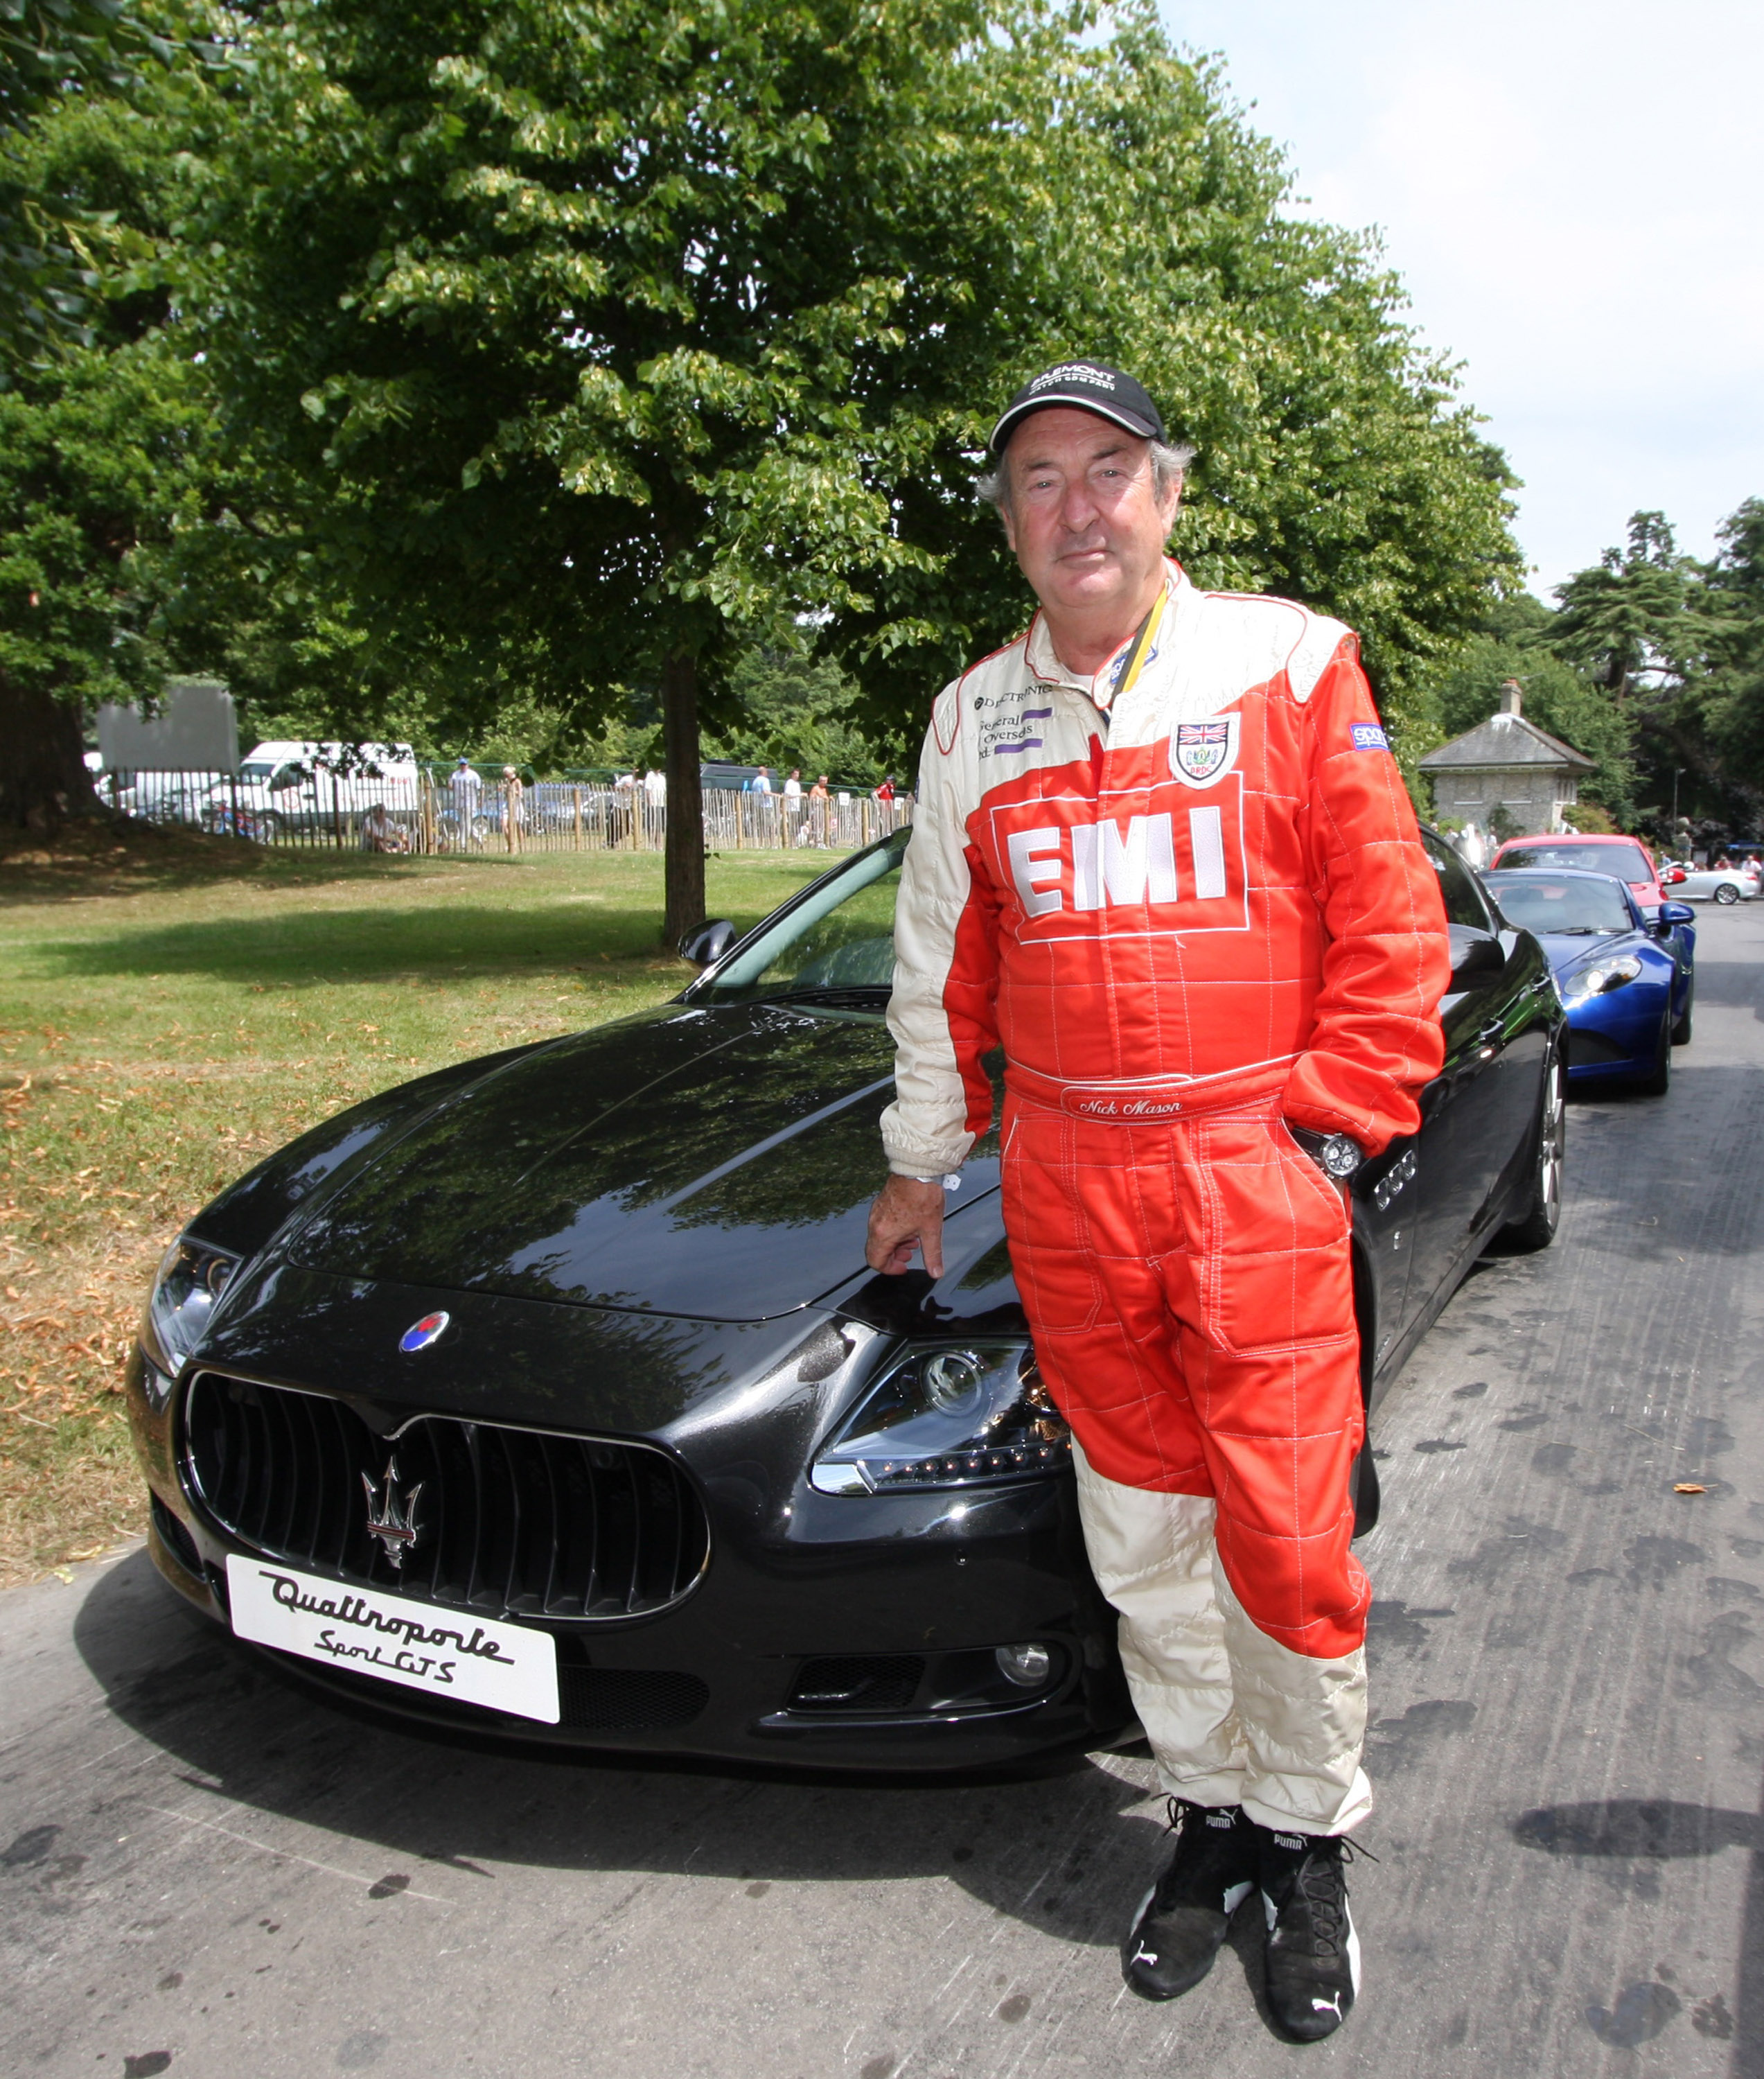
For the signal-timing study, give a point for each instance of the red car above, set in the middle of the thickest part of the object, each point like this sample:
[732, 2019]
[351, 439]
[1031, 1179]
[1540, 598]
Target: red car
[1627, 860]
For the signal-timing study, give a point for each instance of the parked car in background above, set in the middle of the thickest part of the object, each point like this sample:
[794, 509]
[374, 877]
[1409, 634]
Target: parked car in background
[310, 786]
[1725, 885]
[551, 1395]
[1628, 980]
[1627, 858]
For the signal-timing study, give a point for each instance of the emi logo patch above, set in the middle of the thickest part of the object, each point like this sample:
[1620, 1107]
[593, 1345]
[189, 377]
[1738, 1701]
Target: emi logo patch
[1203, 751]
[1367, 736]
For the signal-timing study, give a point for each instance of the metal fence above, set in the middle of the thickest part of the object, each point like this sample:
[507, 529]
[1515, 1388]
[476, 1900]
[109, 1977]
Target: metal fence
[360, 812]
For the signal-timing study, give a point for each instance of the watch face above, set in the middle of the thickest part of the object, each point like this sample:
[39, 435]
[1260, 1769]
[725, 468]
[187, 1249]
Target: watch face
[1340, 1155]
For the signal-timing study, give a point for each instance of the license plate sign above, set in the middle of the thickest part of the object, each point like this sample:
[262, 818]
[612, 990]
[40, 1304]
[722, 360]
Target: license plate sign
[442, 1652]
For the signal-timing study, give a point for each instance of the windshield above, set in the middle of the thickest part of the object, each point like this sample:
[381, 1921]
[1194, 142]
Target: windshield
[1627, 860]
[1536, 903]
[836, 945]
[256, 768]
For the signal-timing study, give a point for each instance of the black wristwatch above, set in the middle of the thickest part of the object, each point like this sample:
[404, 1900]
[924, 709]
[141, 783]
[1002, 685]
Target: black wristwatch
[1338, 1155]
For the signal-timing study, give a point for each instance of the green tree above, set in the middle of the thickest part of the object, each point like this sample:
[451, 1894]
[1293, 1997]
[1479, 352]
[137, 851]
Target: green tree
[1731, 699]
[580, 321]
[102, 445]
[617, 340]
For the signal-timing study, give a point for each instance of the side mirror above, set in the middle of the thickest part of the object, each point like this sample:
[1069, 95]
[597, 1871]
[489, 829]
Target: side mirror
[705, 944]
[1474, 953]
[1675, 912]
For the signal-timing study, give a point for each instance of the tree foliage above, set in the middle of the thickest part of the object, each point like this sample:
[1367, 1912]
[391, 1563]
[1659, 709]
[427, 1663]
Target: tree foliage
[609, 340]
[560, 358]
[52, 245]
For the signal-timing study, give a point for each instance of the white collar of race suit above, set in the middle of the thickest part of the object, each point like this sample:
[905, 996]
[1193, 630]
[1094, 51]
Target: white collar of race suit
[1100, 691]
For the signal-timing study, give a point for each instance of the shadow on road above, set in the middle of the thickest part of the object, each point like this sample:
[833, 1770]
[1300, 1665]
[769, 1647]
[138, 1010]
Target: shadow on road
[1060, 1852]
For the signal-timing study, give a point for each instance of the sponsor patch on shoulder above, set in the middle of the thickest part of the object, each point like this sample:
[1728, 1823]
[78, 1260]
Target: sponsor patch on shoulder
[1367, 736]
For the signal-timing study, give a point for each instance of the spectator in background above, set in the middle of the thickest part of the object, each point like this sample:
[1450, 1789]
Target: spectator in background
[654, 788]
[620, 811]
[817, 812]
[513, 807]
[379, 833]
[760, 782]
[464, 789]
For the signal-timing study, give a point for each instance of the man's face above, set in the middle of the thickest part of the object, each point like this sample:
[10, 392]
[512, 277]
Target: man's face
[1086, 527]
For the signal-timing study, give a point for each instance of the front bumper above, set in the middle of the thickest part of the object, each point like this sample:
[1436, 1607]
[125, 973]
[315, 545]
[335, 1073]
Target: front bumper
[826, 1631]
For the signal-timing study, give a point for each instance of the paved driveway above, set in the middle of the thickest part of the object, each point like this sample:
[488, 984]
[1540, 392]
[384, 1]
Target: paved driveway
[211, 1874]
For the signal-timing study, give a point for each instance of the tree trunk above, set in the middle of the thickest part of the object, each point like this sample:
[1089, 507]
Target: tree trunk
[43, 774]
[685, 863]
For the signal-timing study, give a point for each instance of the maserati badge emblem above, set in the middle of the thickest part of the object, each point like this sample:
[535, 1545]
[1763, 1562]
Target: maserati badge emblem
[1202, 752]
[393, 1519]
[421, 1334]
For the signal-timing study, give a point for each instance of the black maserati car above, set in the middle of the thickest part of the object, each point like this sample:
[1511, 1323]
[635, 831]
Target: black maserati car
[550, 1395]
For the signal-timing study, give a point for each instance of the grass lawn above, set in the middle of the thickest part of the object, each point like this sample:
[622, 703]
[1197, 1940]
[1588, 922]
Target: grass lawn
[172, 1009]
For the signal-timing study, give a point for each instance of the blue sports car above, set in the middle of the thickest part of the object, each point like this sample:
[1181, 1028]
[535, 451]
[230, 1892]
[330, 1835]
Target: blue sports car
[1627, 983]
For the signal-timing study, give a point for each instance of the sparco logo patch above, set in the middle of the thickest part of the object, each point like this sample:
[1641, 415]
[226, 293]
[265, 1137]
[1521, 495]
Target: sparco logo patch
[1202, 752]
[1367, 736]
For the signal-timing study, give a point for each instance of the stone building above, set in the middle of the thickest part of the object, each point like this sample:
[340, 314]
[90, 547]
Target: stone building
[1510, 763]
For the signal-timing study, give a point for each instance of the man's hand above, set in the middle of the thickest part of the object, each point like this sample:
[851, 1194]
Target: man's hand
[907, 1214]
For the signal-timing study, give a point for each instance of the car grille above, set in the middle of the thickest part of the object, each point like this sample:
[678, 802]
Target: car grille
[520, 1521]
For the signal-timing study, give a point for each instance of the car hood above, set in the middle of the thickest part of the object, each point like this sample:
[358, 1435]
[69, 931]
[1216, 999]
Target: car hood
[711, 1163]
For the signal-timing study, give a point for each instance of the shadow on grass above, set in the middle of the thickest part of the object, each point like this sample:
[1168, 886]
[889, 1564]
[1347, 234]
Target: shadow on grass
[440, 942]
[84, 860]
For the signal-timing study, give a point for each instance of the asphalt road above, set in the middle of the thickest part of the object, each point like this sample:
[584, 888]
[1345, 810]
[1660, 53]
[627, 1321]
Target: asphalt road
[210, 1874]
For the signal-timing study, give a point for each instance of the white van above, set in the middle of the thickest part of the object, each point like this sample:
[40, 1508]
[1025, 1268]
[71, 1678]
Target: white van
[323, 787]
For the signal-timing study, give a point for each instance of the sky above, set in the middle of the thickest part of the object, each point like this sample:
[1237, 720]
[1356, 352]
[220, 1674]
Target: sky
[1573, 196]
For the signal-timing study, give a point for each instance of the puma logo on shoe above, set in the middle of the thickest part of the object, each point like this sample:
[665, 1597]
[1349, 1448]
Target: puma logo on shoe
[1220, 1819]
[1142, 1955]
[1332, 2005]
[1288, 1841]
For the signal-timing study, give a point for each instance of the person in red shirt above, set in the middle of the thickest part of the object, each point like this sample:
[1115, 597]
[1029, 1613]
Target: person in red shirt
[1162, 854]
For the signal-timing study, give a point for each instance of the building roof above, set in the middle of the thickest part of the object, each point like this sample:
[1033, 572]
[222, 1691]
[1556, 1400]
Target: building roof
[1506, 740]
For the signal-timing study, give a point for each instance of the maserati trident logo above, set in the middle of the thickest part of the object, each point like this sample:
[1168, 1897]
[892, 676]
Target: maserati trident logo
[392, 1519]
[421, 1334]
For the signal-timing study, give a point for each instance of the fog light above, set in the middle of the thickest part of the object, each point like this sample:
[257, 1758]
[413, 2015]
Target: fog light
[1027, 1666]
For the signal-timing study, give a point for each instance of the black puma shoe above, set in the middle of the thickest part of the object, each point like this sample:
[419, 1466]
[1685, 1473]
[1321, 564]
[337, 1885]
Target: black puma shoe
[1313, 1952]
[1181, 1922]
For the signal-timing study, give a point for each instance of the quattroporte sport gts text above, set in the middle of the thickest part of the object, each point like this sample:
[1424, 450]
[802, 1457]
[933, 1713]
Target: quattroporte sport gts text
[550, 1395]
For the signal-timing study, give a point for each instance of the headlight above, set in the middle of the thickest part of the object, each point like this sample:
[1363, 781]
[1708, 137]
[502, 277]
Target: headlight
[191, 1278]
[948, 1415]
[1600, 980]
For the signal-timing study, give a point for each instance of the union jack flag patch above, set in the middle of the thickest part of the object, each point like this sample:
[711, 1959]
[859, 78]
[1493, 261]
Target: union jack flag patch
[1203, 751]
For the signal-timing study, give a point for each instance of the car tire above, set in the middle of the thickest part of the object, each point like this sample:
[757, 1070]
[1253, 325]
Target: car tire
[1536, 1227]
[1656, 1084]
[1727, 894]
[1681, 1031]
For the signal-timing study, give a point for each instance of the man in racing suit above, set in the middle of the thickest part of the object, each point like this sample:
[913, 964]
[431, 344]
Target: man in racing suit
[1162, 854]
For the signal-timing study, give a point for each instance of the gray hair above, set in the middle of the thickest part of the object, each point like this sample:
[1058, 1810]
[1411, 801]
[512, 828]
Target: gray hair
[1169, 461]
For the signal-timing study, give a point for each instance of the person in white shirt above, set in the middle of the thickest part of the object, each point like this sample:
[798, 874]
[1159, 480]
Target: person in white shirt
[465, 787]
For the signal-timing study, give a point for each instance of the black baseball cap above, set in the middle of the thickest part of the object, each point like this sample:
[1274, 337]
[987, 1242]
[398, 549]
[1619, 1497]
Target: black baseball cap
[1092, 388]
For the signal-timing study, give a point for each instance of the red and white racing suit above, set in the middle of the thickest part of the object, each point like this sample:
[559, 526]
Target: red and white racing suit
[1188, 898]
